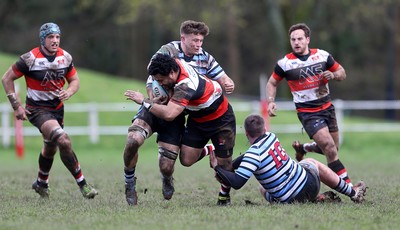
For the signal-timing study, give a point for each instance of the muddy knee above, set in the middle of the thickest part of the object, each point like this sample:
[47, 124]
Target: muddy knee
[167, 160]
[136, 136]
[131, 149]
[58, 138]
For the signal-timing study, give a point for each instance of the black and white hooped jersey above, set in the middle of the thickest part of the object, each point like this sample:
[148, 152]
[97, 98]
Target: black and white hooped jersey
[203, 62]
[44, 76]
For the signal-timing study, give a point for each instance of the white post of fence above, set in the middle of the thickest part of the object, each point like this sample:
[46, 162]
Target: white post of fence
[5, 124]
[339, 108]
[93, 123]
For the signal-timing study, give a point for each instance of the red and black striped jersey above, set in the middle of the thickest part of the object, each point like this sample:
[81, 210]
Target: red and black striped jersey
[44, 76]
[303, 73]
[202, 98]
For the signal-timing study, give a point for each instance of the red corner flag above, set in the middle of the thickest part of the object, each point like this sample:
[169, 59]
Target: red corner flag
[264, 113]
[19, 138]
[19, 134]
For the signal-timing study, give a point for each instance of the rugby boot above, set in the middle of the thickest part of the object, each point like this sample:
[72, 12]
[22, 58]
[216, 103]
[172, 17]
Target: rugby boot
[44, 192]
[88, 191]
[130, 192]
[361, 190]
[223, 200]
[300, 152]
[167, 187]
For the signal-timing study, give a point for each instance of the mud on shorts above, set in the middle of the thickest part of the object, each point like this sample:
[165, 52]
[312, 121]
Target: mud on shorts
[312, 122]
[221, 132]
[167, 131]
[40, 115]
[311, 188]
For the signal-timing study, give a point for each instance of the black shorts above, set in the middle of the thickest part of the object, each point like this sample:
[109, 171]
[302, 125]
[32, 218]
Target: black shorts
[312, 122]
[221, 132]
[311, 188]
[39, 115]
[167, 131]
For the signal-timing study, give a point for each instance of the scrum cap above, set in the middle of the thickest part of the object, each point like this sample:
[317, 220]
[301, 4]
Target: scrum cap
[46, 29]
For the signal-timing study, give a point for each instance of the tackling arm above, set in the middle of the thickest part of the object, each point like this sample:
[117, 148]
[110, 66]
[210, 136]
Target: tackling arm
[227, 177]
[230, 178]
[236, 162]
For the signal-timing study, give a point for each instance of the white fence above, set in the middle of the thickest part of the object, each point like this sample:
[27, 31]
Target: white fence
[94, 130]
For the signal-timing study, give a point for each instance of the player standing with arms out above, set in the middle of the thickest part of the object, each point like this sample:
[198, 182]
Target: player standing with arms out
[46, 68]
[308, 72]
[281, 179]
[189, 49]
[210, 115]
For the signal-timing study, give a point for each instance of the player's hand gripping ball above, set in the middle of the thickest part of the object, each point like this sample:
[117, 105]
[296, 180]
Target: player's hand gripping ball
[160, 95]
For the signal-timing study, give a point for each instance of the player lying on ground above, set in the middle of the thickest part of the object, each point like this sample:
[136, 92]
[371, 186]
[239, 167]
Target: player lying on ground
[281, 179]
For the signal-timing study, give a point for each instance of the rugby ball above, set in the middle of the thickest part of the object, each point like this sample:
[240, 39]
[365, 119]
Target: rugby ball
[158, 90]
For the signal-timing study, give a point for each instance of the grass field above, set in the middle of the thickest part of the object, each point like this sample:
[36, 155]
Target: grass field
[372, 157]
[193, 205]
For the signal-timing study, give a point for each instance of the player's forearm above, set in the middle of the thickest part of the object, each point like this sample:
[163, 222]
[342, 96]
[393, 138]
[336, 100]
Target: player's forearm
[73, 87]
[271, 92]
[163, 111]
[236, 162]
[340, 74]
[8, 81]
[226, 83]
[8, 85]
[230, 178]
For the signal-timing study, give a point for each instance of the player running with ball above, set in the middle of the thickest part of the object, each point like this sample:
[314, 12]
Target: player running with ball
[144, 124]
[210, 115]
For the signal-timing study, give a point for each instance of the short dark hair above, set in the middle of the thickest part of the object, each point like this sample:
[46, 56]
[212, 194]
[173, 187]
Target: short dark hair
[300, 26]
[162, 64]
[193, 27]
[254, 125]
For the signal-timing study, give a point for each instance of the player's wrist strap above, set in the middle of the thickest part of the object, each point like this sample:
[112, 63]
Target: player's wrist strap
[147, 103]
[13, 100]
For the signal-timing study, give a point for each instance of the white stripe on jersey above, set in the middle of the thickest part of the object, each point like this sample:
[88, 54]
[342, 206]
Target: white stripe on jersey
[42, 64]
[293, 188]
[306, 95]
[37, 95]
